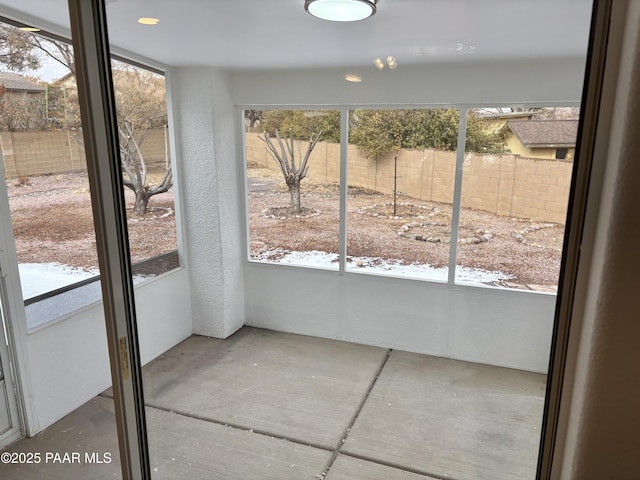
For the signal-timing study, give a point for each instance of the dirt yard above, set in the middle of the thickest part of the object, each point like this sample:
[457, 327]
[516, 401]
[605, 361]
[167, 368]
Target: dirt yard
[419, 232]
[52, 222]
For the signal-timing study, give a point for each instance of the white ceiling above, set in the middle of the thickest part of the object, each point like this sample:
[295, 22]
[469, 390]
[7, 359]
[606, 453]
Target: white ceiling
[273, 34]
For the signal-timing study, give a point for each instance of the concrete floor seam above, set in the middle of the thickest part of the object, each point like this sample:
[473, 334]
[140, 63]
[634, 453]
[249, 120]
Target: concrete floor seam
[359, 408]
[404, 468]
[243, 428]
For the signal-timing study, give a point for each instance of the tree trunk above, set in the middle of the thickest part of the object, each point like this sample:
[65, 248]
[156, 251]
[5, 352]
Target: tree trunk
[294, 189]
[142, 200]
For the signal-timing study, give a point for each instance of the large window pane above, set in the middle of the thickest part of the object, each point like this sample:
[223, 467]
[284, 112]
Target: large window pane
[401, 176]
[47, 185]
[514, 201]
[293, 199]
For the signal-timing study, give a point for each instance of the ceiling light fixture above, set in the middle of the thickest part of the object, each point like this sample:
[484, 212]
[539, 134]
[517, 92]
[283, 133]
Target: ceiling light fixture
[391, 63]
[148, 21]
[353, 78]
[341, 10]
[29, 29]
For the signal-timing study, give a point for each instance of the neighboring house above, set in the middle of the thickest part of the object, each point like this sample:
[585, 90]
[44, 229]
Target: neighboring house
[22, 103]
[554, 139]
[496, 121]
[16, 84]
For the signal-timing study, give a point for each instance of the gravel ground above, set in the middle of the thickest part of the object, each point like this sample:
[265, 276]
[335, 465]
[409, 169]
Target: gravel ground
[528, 251]
[52, 222]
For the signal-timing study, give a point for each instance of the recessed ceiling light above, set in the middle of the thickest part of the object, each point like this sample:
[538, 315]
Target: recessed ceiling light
[341, 10]
[148, 21]
[29, 29]
[352, 77]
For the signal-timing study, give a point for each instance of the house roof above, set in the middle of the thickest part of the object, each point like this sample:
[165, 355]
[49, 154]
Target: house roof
[14, 82]
[545, 133]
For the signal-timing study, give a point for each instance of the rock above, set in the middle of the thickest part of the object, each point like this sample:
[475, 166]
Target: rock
[486, 237]
[518, 237]
[476, 240]
[405, 228]
[360, 263]
[418, 237]
[434, 239]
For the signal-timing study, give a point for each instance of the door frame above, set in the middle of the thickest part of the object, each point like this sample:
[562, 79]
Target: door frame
[14, 316]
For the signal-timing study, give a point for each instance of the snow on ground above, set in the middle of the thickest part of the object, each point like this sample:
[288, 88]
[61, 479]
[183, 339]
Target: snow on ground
[39, 278]
[316, 259]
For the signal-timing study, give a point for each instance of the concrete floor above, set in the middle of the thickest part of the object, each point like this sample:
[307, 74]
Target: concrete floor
[270, 405]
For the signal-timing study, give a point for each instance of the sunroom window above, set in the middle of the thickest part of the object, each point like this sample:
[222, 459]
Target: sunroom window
[419, 200]
[47, 185]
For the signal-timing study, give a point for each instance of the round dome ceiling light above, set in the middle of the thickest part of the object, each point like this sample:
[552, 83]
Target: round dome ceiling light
[148, 21]
[353, 78]
[341, 10]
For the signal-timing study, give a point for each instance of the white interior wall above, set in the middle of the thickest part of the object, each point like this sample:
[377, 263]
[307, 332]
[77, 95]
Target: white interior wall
[68, 358]
[485, 325]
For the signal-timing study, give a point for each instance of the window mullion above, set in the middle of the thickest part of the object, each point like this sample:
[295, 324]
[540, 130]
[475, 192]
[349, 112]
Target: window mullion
[344, 156]
[457, 196]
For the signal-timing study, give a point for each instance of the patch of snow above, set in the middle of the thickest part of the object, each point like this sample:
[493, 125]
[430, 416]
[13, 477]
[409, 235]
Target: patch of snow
[313, 258]
[39, 278]
[316, 259]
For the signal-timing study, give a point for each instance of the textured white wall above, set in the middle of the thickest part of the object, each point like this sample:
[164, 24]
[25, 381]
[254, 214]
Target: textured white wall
[207, 172]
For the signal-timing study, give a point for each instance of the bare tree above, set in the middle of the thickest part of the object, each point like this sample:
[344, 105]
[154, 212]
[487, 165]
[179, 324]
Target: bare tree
[141, 107]
[285, 155]
[253, 116]
[16, 49]
[57, 50]
[135, 170]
